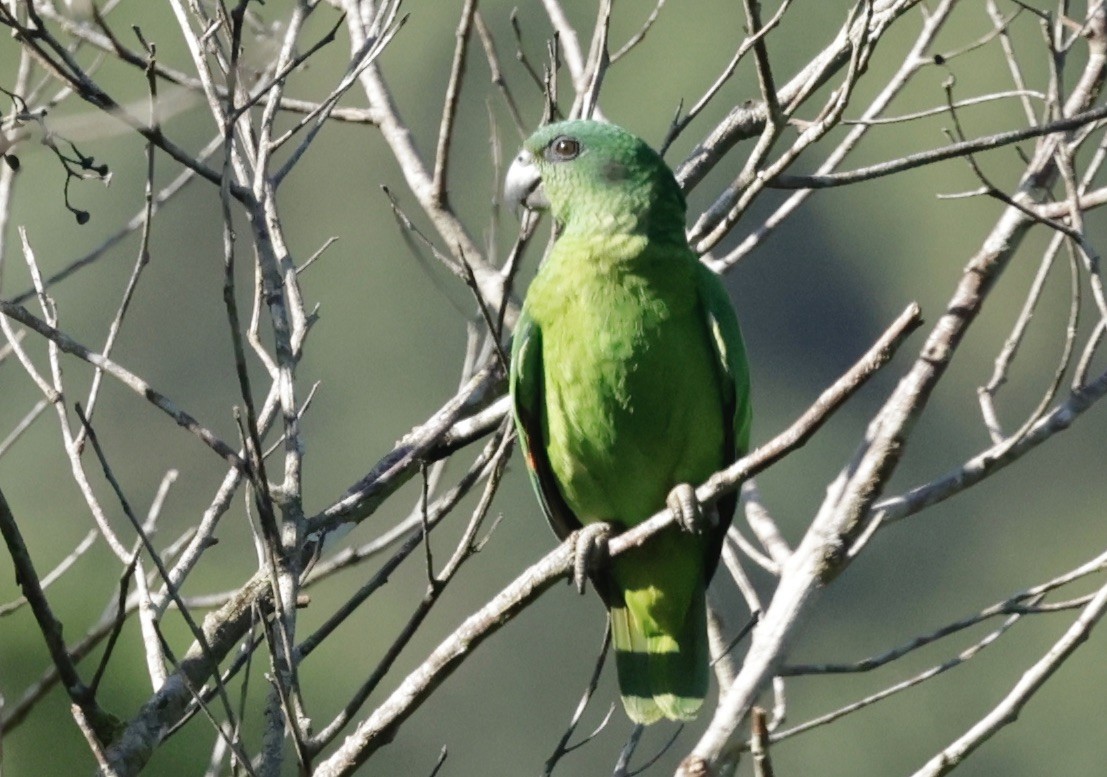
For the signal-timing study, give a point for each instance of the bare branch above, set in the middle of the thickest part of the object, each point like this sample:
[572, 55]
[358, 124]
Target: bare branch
[1008, 709]
[67, 344]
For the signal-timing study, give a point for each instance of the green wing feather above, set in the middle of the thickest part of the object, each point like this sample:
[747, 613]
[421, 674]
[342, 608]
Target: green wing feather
[526, 387]
[734, 386]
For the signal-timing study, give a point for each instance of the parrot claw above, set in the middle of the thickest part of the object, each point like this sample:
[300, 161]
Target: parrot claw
[589, 549]
[686, 509]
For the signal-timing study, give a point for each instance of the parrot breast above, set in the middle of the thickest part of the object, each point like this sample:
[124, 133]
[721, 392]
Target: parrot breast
[632, 402]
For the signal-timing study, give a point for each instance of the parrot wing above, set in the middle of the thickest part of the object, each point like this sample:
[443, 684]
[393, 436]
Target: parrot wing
[734, 385]
[527, 380]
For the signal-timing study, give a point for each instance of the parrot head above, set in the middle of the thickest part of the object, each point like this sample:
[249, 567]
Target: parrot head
[596, 177]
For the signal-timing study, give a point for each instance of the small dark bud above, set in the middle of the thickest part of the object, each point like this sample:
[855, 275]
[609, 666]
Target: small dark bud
[939, 59]
[82, 216]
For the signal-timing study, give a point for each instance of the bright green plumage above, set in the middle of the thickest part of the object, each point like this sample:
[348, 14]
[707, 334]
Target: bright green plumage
[628, 377]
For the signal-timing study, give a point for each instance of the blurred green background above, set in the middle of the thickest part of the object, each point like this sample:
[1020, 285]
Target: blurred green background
[388, 347]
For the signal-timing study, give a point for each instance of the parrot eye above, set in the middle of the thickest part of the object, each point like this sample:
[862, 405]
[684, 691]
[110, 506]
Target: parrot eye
[564, 148]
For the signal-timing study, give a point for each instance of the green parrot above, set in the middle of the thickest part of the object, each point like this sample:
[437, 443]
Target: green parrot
[629, 382]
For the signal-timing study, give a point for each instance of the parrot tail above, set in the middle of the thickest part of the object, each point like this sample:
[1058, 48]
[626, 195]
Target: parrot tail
[661, 675]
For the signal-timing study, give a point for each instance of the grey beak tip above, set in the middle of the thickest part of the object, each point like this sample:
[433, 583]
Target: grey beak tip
[523, 184]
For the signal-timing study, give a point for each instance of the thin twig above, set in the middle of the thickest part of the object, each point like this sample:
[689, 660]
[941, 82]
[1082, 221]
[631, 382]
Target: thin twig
[1008, 709]
[440, 185]
[951, 151]
[563, 748]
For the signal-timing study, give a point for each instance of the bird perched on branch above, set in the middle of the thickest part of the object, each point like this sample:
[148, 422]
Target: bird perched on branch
[629, 385]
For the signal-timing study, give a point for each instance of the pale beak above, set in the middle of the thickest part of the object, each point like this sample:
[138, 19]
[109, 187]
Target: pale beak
[523, 185]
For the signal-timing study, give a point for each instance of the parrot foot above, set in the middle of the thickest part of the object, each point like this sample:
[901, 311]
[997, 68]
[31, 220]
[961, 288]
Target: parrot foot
[589, 550]
[689, 514]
